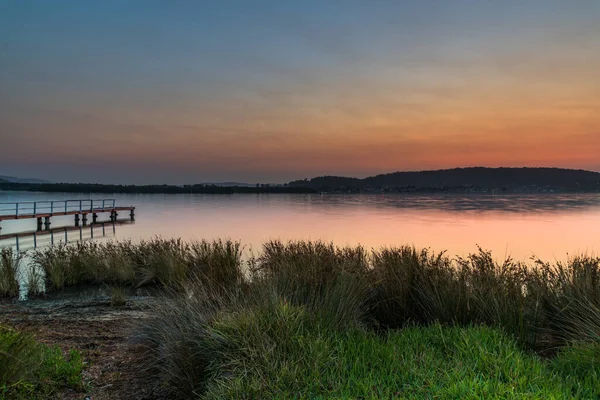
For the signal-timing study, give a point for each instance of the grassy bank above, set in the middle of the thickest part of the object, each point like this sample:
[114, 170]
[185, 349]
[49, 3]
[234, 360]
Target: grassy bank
[31, 370]
[309, 319]
[312, 320]
[265, 347]
[542, 305]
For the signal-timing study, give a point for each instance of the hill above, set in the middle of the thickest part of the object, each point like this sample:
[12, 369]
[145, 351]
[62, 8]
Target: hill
[463, 179]
[4, 178]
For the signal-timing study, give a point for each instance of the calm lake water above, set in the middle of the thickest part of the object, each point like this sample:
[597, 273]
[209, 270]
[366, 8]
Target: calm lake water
[548, 226]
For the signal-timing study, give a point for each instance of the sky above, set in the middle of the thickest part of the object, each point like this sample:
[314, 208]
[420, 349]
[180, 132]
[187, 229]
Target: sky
[145, 91]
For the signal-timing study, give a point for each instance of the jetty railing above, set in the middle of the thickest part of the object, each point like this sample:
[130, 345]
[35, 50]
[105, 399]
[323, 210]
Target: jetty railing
[44, 210]
[33, 208]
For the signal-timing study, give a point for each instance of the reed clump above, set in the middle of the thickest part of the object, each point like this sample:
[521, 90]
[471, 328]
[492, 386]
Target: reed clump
[541, 304]
[162, 262]
[9, 270]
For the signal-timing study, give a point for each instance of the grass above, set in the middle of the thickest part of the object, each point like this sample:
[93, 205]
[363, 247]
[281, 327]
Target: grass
[311, 320]
[164, 262]
[285, 323]
[34, 282]
[118, 297]
[272, 349]
[31, 370]
[9, 267]
[542, 305]
[303, 361]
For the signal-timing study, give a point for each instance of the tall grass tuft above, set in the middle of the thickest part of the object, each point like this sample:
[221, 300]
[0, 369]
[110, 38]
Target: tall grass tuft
[217, 263]
[9, 270]
[570, 298]
[179, 347]
[400, 278]
[162, 261]
[329, 280]
[35, 282]
[118, 298]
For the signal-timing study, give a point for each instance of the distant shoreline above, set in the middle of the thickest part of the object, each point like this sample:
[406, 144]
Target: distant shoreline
[456, 180]
[212, 189]
[148, 189]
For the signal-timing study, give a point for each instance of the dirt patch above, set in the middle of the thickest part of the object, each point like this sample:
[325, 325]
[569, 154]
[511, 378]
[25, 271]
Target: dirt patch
[101, 333]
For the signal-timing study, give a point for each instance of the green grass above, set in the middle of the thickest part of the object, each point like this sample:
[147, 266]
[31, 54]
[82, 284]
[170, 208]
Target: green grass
[272, 349]
[303, 361]
[31, 370]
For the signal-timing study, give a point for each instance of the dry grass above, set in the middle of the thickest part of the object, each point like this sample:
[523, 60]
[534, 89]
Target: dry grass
[9, 270]
[163, 262]
[118, 298]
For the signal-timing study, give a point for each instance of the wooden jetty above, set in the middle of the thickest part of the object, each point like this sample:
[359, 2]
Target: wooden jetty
[44, 210]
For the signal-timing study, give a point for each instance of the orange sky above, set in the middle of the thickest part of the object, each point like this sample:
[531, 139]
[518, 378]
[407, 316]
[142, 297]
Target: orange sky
[294, 94]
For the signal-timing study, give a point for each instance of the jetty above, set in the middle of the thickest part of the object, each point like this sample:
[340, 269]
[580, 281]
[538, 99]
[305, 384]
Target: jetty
[43, 211]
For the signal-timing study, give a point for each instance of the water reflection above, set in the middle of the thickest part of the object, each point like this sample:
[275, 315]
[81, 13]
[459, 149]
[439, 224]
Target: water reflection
[480, 203]
[549, 226]
[22, 241]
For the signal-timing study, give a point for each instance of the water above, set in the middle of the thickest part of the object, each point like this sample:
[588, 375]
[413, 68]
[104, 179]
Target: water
[549, 226]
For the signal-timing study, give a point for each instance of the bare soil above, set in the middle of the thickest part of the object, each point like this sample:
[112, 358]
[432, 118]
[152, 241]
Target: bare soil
[102, 333]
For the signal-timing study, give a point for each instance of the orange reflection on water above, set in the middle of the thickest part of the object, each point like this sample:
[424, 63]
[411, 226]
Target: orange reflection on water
[521, 226]
[511, 229]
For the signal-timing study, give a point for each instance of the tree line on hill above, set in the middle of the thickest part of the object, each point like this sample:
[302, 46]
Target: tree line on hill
[463, 179]
[477, 179]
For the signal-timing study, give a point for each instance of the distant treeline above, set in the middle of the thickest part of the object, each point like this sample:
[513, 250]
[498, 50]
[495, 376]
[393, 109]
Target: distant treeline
[150, 189]
[462, 180]
[457, 180]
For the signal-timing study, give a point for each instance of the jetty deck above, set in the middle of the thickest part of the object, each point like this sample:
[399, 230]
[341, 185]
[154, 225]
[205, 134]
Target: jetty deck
[80, 209]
